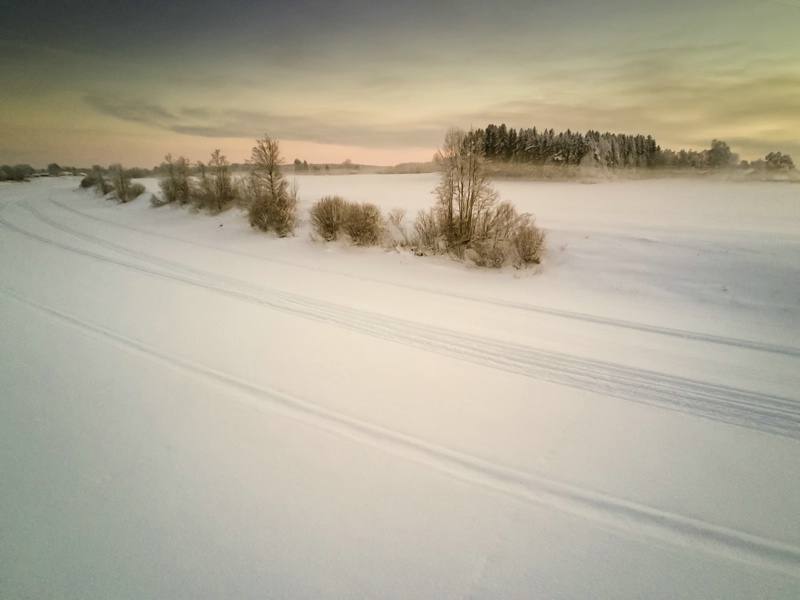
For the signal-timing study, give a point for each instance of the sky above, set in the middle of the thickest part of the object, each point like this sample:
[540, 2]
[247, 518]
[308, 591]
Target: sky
[87, 82]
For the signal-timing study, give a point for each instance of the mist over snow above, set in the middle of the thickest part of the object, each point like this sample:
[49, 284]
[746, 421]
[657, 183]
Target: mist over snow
[193, 409]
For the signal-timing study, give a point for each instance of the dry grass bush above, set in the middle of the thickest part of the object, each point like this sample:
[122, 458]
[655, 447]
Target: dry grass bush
[363, 223]
[327, 216]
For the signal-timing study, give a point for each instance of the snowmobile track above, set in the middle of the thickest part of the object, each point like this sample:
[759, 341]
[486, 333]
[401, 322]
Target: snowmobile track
[546, 310]
[626, 518]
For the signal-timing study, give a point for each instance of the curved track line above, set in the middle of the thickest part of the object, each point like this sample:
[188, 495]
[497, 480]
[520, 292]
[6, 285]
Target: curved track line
[752, 410]
[566, 314]
[626, 517]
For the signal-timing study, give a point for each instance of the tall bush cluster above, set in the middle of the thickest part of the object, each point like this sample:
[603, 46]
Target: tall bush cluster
[209, 186]
[468, 220]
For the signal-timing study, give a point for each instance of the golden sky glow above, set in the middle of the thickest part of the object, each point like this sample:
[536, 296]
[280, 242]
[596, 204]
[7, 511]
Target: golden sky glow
[88, 82]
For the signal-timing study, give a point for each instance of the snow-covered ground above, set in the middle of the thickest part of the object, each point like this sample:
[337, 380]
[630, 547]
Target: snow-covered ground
[191, 409]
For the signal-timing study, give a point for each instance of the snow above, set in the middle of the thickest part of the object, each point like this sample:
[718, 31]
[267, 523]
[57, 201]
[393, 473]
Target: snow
[191, 409]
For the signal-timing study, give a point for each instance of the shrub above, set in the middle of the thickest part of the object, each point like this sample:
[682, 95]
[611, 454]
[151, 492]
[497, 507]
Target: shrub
[175, 185]
[327, 216]
[528, 241]
[283, 212]
[267, 212]
[136, 190]
[202, 194]
[215, 189]
[497, 223]
[468, 221]
[101, 186]
[363, 223]
[426, 231]
[88, 182]
[487, 253]
[121, 183]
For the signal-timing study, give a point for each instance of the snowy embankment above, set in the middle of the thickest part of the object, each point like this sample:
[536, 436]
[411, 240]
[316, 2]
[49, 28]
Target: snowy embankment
[191, 409]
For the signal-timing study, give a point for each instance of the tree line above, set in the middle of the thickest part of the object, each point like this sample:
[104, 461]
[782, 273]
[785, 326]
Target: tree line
[24, 172]
[503, 144]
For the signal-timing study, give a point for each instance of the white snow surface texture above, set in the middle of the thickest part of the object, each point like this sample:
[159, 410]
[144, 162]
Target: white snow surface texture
[192, 409]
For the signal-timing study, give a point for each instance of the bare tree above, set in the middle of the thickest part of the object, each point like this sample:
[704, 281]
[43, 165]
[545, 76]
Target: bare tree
[271, 202]
[464, 195]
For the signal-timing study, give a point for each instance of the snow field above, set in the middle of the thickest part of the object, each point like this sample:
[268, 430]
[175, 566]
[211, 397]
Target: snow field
[196, 410]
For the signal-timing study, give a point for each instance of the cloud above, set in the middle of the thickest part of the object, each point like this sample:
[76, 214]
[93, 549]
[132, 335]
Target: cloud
[338, 127]
[139, 111]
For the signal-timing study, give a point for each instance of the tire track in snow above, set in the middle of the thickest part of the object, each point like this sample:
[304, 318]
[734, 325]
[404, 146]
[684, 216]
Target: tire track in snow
[629, 519]
[556, 312]
[752, 410]
[762, 412]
